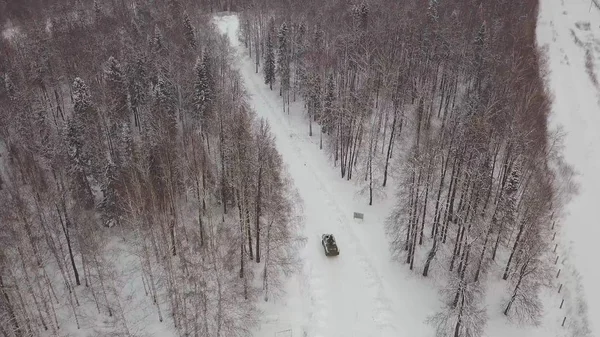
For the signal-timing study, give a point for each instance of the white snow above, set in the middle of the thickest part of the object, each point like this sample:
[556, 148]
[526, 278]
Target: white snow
[123, 280]
[569, 32]
[361, 292]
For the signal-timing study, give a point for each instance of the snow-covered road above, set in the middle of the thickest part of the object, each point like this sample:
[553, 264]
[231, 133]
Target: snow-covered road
[347, 295]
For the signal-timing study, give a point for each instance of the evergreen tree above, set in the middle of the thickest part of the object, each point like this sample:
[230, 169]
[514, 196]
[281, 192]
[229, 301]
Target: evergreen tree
[204, 85]
[319, 40]
[480, 45]
[360, 14]
[165, 107]
[75, 144]
[299, 52]
[9, 87]
[327, 117]
[109, 206]
[314, 100]
[175, 10]
[189, 32]
[315, 97]
[87, 121]
[202, 91]
[283, 59]
[82, 104]
[269, 68]
[157, 41]
[125, 147]
[117, 93]
[137, 86]
[79, 162]
[432, 10]
[97, 10]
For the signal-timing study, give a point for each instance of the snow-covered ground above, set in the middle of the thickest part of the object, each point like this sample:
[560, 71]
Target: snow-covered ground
[134, 313]
[361, 292]
[569, 34]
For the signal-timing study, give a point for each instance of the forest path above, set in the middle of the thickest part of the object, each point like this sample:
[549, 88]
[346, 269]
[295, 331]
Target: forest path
[347, 295]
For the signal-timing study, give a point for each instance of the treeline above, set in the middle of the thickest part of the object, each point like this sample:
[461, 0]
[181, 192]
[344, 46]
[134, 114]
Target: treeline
[450, 95]
[26, 10]
[123, 123]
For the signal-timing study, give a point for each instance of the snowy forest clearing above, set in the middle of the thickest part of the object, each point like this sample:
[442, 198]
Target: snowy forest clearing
[362, 291]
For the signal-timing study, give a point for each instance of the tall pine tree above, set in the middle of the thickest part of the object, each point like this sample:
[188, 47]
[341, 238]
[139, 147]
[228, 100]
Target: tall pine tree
[109, 207]
[189, 32]
[283, 59]
[269, 68]
[87, 122]
[115, 82]
[203, 90]
[326, 118]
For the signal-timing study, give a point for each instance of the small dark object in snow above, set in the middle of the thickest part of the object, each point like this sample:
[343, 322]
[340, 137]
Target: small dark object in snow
[329, 245]
[582, 25]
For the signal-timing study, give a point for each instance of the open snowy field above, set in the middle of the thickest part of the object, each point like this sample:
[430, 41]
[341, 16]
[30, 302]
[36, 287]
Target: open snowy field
[569, 34]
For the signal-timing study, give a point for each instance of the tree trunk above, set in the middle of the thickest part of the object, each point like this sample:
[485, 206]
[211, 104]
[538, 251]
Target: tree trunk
[497, 242]
[459, 320]
[516, 290]
[460, 290]
[457, 245]
[310, 118]
[512, 253]
[65, 227]
[425, 202]
[258, 210]
[248, 226]
[450, 208]
[435, 227]
[415, 224]
[410, 216]
[267, 261]
[389, 150]
[370, 182]
[256, 44]
[321, 138]
[172, 235]
[242, 250]
[482, 256]
[223, 181]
